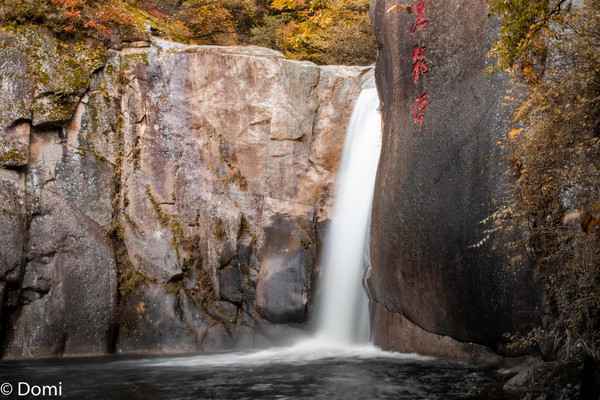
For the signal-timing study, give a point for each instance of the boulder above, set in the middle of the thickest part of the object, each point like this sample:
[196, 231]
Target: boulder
[436, 258]
[284, 281]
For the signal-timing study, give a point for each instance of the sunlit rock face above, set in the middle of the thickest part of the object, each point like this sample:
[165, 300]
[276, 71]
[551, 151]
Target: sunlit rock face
[437, 265]
[177, 209]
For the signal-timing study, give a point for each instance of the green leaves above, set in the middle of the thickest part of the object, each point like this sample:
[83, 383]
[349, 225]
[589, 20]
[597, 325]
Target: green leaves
[524, 24]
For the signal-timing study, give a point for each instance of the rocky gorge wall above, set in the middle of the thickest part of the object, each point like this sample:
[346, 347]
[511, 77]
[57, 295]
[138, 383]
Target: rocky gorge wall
[162, 198]
[441, 282]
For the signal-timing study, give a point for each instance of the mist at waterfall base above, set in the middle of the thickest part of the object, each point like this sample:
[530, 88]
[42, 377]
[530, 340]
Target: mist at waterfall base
[336, 363]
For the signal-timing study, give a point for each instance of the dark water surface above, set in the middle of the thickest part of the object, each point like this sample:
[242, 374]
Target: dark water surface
[238, 376]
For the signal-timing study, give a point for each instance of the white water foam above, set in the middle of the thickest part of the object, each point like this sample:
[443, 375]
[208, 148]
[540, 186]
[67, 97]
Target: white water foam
[343, 304]
[304, 352]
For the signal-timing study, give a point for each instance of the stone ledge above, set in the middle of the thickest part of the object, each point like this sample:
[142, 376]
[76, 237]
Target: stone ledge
[394, 332]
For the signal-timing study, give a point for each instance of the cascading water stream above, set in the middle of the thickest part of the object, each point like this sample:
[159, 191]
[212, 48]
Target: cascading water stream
[343, 304]
[342, 308]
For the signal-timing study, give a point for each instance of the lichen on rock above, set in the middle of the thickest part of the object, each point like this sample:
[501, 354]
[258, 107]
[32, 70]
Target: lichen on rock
[56, 74]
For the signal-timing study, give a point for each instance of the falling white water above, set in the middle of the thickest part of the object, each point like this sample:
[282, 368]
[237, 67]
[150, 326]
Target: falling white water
[343, 322]
[343, 304]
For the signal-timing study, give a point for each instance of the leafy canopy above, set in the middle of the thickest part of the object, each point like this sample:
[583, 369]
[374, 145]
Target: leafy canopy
[323, 31]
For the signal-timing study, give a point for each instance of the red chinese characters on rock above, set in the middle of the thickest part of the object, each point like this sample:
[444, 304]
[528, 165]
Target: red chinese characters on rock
[422, 22]
[420, 66]
[419, 108]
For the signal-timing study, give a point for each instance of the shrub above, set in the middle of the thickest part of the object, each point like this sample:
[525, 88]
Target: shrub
[556, 163]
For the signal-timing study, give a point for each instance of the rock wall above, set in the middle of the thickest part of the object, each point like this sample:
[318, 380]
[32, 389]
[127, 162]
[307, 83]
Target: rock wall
[438, 267]
[168, 200]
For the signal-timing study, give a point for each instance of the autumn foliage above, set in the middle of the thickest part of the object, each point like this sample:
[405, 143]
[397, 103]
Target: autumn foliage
[323, 31]
[555, 154]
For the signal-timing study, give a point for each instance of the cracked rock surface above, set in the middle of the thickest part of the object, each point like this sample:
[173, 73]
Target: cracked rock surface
[171, 201]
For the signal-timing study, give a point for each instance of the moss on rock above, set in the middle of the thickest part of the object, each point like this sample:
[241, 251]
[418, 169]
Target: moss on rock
[59, 70]
[12, 157]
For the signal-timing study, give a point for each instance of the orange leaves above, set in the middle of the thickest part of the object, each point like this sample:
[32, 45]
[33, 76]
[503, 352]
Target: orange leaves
[209, 22]
[78, 14]
[69, 4]
[110, 15]
[99, 27]
[323, 31]
[71, 13]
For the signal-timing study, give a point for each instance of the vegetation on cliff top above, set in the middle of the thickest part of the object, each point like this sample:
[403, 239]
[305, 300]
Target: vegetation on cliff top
[323, 31]
[555, 154]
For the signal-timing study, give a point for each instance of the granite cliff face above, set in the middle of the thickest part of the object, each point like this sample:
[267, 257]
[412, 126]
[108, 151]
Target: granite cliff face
[440, 282]
[169, 199]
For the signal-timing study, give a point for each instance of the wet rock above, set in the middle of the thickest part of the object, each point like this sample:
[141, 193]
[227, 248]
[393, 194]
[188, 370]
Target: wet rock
[151, 321]
[64, 299]
[16, 99]
[284, 280]
[43, 79]
[68, 297]
[13, 231]
[230, 283]
[196, 175]
[397, 332]
[12, 222]
[520, 382]
[441, 175]
[217, 142]
[551, 381]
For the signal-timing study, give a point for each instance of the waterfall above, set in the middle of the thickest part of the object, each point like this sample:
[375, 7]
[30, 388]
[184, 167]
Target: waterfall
[343, 305]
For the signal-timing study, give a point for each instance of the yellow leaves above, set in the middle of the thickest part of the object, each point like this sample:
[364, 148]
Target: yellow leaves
[522, 111]
[288, 4]
[323, 31]
[515, 133]
[309, 29]
[323, 19]
[399, 8]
